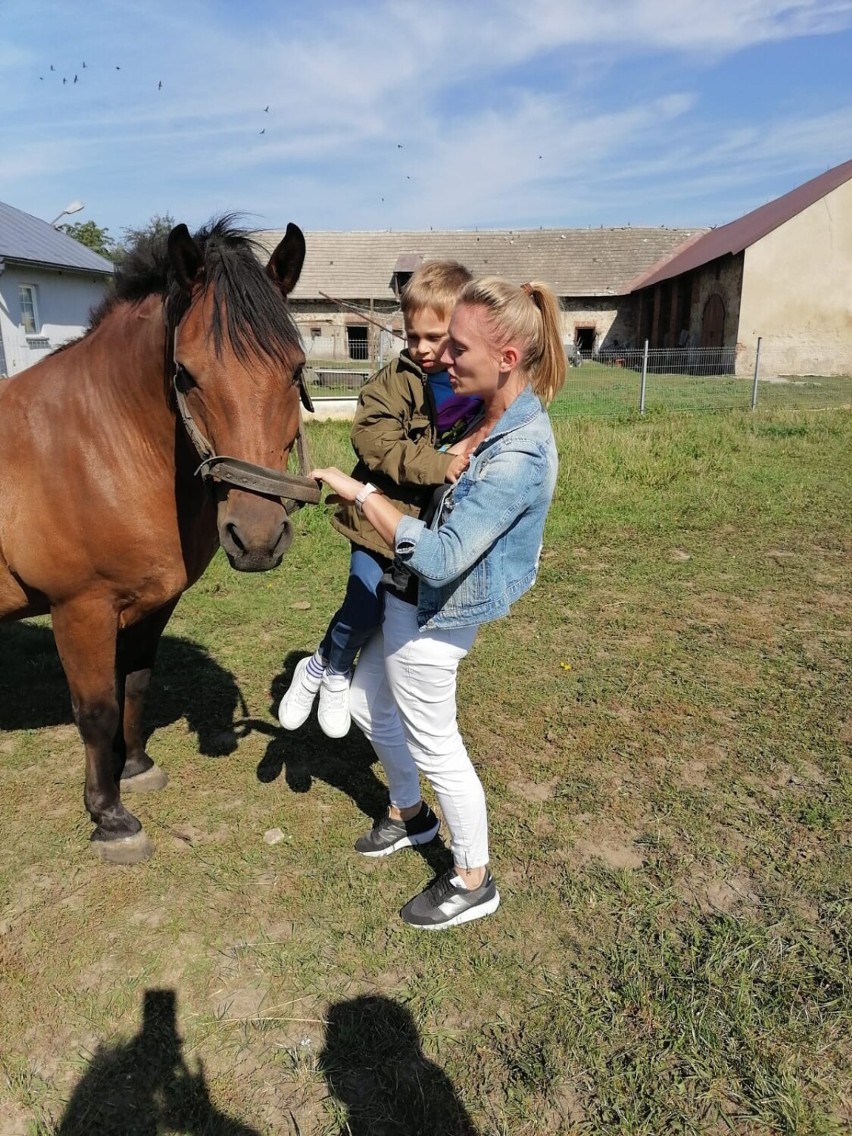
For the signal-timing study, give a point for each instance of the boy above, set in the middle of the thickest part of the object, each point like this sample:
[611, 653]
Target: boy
[406, 420]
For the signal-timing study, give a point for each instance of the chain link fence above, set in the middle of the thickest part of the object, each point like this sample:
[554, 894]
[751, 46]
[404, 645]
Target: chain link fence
[688, 380]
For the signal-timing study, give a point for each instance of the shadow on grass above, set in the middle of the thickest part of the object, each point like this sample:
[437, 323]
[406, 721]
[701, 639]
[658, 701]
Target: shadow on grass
[375, 1067]
[145, 1086]
[346, 764]
[186, 683]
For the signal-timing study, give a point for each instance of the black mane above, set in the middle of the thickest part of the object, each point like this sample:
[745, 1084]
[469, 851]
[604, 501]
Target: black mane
[256, 320]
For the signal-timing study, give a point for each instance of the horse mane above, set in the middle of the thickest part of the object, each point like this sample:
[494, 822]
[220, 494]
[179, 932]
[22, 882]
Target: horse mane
[255, 319]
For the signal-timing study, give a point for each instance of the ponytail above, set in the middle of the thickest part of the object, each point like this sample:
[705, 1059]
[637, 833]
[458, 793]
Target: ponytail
[530, 315]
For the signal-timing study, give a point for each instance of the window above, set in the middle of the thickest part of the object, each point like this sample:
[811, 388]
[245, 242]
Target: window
[29, 309]
[357, 342]
[316, 332]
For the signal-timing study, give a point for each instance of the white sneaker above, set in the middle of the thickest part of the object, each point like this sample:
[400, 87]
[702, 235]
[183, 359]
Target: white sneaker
[333, 713]
[295, 706]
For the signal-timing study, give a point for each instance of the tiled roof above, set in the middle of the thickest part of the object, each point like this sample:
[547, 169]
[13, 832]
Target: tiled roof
[575, 262]
[745, 231]
[29, 239]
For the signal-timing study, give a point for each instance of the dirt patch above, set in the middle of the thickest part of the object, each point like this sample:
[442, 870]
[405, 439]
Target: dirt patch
[534, 790]
[715, 893]
[616, 848]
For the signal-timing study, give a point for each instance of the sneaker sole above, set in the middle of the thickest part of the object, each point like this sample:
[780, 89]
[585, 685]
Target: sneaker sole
[404, 842]
[478, 912]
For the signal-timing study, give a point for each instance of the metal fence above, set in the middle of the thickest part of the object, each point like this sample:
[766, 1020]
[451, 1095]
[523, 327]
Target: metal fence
[689, 379]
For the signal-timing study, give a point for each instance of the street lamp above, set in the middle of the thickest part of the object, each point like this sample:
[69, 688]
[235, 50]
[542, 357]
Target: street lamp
[71, 207]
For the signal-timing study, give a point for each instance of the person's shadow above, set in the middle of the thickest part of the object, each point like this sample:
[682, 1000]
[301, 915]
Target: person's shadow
[374, 1066]
[187, 682]
[346, 763]
[145, 1087]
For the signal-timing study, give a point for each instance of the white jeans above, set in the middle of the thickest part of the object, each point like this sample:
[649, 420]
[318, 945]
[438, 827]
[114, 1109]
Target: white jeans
[403, 696]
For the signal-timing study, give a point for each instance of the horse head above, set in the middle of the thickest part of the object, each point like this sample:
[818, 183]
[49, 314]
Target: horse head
[238, 361]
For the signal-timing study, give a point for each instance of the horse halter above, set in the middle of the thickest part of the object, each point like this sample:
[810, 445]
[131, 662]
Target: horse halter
[294, 490]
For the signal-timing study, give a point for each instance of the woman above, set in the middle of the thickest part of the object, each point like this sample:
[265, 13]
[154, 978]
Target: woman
[466, 567]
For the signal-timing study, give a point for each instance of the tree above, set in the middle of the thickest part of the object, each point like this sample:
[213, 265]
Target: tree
[92, 236]
[154, 233]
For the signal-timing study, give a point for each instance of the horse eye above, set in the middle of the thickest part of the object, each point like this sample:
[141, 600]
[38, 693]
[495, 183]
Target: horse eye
[184, 377]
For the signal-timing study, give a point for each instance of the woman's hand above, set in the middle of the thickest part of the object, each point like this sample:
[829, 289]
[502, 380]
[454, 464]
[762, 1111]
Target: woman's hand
[344, 488]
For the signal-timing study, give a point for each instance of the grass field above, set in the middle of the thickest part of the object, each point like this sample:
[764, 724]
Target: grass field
[598, 390]
[663, 727]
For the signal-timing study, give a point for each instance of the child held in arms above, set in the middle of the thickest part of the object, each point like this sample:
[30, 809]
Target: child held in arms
[408, 419]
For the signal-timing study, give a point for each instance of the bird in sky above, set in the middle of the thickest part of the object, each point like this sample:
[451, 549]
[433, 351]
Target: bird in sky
[117, 68]
[75, 78]
[160, 85]
[266, 110]
[263, 131]
[84, 62]
[64, 80]
[52, 68]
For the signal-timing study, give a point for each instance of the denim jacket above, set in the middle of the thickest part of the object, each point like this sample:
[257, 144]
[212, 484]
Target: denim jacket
[482, 551]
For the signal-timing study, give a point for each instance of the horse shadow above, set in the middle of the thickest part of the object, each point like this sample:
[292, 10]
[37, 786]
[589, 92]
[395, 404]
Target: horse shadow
[347, 764]
[374, 1066]
[145, 1086]
[187, 683]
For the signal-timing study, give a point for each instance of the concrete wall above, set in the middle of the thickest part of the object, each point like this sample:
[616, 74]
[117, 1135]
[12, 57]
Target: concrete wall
[797, 292]
[64, 301]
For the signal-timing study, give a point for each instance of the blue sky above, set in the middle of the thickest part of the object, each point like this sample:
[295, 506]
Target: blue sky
[390, 114]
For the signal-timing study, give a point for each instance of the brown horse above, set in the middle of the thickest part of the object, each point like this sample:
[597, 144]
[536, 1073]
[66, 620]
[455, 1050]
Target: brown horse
[104, 519]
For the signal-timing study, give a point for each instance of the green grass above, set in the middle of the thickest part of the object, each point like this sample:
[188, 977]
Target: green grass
[599, 390]
[663, 728]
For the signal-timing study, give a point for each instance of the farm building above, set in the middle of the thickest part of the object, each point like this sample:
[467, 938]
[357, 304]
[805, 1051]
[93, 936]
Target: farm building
[782, 272]
[347, 300]
[48, 285]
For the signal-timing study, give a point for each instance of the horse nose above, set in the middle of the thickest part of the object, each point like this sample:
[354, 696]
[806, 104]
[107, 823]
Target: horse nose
[252, 551]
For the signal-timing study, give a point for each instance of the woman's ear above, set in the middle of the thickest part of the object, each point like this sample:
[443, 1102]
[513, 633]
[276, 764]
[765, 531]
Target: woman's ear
[510, 356]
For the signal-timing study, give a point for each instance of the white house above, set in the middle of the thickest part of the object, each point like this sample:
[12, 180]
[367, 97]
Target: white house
[48, 285]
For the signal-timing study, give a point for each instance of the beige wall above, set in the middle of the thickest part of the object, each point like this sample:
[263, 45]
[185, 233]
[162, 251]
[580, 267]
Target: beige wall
[797, 292]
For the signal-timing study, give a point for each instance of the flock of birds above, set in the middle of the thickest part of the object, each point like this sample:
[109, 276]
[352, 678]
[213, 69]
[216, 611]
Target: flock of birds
[84, 67]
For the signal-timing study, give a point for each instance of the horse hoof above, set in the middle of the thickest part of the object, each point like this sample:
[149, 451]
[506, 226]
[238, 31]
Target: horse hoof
[126, 850]
[147, 782]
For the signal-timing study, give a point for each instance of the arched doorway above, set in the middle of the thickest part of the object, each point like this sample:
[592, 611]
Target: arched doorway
[713, 322]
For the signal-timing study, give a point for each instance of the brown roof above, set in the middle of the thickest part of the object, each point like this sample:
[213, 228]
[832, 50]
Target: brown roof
[575, 262]
[745, 231]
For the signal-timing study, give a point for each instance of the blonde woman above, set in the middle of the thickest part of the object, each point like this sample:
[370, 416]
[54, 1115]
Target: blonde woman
[466, 566]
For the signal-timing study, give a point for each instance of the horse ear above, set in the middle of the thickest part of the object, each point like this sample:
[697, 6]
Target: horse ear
[285, 264]
[184, 256]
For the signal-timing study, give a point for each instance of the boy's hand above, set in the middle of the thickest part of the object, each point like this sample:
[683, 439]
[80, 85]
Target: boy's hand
[457, 467]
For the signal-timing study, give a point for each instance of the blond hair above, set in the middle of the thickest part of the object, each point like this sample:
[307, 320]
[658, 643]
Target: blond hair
[436, 284]
[528, 315]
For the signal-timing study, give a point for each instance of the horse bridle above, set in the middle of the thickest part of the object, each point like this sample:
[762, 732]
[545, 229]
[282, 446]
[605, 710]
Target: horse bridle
[294, 490]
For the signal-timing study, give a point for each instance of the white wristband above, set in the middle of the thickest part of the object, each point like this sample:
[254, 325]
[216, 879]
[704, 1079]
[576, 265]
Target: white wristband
[363, 495]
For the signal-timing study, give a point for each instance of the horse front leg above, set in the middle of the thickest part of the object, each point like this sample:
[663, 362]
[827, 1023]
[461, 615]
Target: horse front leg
[85, 633]
[137, 649]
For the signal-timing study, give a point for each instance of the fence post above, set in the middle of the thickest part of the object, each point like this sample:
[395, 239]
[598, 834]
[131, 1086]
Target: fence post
[644, 379]
[756, 372]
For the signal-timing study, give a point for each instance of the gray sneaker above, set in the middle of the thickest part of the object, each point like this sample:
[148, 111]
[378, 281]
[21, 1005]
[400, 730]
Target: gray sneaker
[447, 903]
[390, 835]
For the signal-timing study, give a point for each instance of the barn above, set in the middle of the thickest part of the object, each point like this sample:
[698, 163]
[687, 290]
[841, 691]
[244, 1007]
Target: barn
[347, 300]
[782, 273]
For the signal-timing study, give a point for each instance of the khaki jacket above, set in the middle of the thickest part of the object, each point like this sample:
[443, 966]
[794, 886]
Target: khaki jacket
[393, 436]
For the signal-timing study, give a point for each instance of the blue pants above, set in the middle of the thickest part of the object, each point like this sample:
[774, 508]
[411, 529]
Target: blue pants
[360, 613]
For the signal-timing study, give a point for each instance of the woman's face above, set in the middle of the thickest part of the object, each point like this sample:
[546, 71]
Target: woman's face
[471, 358]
